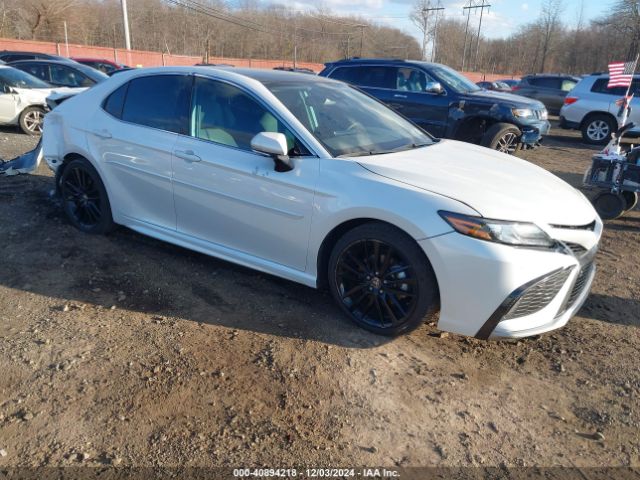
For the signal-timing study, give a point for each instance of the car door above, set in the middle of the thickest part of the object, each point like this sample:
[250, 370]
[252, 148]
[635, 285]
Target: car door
[547, 90]
[133, 137]
[8, 103]
[410, 98]
[231, 196]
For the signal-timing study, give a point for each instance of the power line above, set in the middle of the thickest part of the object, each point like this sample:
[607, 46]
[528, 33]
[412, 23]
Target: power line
[473, 5]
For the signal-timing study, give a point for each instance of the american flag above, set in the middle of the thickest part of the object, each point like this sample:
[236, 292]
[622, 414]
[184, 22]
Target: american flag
[621, 74]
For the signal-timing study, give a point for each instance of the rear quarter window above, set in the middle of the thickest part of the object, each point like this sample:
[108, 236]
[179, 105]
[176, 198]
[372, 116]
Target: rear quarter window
[114, 102]
[600, 86]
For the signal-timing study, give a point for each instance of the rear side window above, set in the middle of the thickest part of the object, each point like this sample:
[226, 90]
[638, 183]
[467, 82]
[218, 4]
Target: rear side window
[545, 82]
[159, 101]
[37, 70]
[367, 76]
[114, 102]
[600, 86]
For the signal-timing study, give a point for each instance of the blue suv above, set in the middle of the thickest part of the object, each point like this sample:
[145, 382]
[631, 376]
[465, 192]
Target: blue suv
[445, 103]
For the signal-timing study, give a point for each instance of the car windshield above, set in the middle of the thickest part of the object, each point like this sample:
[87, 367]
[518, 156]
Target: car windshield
[19, 79]
[453, 79]
[346, 121]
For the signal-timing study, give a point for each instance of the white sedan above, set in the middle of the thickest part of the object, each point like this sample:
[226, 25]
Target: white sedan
[311, 180]
[23, 99]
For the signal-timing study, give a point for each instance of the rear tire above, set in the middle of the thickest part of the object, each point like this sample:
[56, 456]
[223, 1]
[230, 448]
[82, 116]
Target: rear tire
[84, 198]
[597, 128]
[609, 205]
[502, 137]
[31, 120]
[382, 279]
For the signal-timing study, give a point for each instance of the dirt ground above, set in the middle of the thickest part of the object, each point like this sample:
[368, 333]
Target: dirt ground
[123, 350]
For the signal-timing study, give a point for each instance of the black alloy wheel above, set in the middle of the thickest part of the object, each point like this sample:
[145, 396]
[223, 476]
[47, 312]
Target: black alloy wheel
[381, 278]
[377, 284]
[84, 198]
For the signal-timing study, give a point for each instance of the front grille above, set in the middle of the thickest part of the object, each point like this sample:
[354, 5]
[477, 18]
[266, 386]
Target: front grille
[539, 295]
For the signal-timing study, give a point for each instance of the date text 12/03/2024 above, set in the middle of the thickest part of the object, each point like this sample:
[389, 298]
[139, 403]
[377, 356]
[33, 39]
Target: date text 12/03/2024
[315, 473]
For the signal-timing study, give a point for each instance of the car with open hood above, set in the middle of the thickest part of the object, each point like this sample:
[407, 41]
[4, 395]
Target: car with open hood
[310, 179]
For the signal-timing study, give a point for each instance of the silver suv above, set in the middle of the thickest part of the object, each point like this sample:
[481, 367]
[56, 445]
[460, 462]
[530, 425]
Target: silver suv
[591, 108]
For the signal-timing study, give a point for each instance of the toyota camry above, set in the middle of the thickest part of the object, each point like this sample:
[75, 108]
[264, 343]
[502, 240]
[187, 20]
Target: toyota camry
[310, 179]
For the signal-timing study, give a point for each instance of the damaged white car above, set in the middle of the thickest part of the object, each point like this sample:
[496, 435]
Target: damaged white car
[309, 179]
[23, 99]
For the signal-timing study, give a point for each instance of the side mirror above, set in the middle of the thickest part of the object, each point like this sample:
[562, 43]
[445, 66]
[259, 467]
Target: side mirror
[7, 89]
[434, 87]
[275, 145]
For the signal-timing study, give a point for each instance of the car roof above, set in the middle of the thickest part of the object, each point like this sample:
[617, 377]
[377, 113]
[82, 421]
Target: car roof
[269, 76]
[92, 59]
[389, 61]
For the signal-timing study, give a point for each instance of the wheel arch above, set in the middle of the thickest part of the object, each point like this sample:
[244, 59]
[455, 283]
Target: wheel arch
[597, 112]
[473, 128]
[332, 237]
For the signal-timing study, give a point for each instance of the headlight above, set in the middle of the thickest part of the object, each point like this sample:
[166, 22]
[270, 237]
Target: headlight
[509, 233]
[523, 112]
[544, 115]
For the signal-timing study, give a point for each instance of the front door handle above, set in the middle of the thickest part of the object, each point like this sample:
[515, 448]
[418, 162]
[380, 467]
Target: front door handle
[187, 155]
[103, 134]
[398, 95]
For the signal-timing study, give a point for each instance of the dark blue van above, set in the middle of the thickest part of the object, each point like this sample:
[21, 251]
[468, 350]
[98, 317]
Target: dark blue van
[447, 104]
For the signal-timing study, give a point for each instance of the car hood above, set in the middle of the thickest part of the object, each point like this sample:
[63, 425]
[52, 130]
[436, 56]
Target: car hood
[496, 185]
[515, 101]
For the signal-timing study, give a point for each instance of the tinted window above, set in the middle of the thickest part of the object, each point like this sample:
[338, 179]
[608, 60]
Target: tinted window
[37, 70]
[225, 114]
[367, 76]
[545, 82]
[412, 80]
[114, 102]
[159, 101]
[600, 86]
[15, 57]
[61, 75]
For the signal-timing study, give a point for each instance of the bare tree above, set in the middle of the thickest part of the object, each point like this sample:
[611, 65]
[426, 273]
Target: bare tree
[420, 17]
[549, 23]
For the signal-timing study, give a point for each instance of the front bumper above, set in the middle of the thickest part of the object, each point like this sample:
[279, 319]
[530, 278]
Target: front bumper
[532, 133]
[480, 283]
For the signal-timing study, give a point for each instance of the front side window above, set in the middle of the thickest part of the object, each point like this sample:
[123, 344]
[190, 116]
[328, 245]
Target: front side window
[159, 101]
[61, 75]
[346, 121]
[225, 114]
[412, 80]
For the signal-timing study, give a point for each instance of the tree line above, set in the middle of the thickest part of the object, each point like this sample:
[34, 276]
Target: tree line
[198, 27]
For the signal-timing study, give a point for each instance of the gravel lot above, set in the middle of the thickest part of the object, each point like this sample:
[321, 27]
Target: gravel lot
[128, 351]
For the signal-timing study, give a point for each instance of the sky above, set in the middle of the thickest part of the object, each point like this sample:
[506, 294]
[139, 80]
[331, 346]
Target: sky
[502, 19]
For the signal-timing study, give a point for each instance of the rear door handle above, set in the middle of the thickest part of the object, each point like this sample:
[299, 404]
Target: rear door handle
[102, 134]
[187, 155]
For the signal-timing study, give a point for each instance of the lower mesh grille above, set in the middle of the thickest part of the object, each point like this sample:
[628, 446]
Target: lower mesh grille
[539, 295]
[580, 284]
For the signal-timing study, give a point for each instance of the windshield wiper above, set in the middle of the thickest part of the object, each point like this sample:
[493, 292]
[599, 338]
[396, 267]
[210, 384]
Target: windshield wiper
[356, 154]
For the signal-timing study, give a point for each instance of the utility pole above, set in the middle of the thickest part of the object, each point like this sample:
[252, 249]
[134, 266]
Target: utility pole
[361, 38]
[66, 37]
[125, 21]
[437, 9]
[482, 6]
[473, 5]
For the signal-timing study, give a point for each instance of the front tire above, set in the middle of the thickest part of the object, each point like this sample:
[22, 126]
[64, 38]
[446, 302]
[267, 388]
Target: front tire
[382, 280]
[31, 120]
[597, 129]
[502, 137]
[84, 198]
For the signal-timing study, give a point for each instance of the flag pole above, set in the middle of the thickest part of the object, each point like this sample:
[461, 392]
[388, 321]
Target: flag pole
[626, 102]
